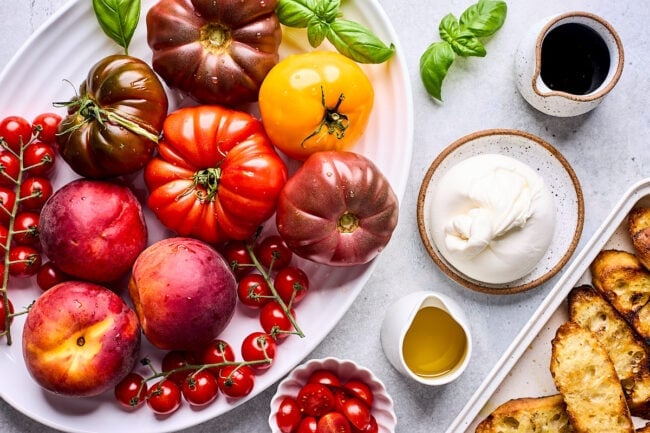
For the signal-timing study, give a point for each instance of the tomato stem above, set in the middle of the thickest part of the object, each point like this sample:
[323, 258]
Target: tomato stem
[347, 223]
[336, 123]
[208, 179]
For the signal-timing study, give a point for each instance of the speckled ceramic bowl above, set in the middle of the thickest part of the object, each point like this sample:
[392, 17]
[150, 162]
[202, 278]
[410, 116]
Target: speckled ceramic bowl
[559, 177]
[345, 369]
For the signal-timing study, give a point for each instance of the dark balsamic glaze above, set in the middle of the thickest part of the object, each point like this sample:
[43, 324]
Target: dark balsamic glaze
[575, 59]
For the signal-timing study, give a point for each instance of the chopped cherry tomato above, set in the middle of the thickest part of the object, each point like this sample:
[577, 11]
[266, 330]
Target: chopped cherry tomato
[15, 131]
[3, 314]
[292, 284]
[9, 168]
[200, 388]
[253, 291]
[275, 322]
[236, 381]
[308, 424]
[131, 391]
[340, 397]
[50, 275]
[360, 390]
[333, 422]
[259, 346]
[47, 124]
[237, 256]
[372, 427]
[24, 261]
[273, 253]
[357, 413]
[289, 416]
[7, 200]
[324, 377]
[177, 359]
[34, 192]
[26, 228]
[164, 397]
[38, 159]
[315, 399]
[217, 352]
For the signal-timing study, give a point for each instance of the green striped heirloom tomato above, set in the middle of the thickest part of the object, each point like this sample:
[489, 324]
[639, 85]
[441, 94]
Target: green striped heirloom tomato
[216, 176]
[218, 51]
[337, 209]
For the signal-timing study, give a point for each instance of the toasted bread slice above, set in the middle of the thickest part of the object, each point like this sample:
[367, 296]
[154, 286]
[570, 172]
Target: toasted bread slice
[625, 283]
[624, 347]
[638, 226]
[540, 414]
[585, 376]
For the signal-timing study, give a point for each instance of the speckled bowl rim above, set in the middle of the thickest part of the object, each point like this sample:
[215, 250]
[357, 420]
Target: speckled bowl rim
[346, 369]
[525, 283]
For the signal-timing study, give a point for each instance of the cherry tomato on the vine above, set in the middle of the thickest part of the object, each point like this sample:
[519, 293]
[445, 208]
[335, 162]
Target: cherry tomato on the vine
[236, 380]
[237, 256]
[15, 131]
[253, 291]
[7, 200]
[3, 314]
[38, 159]
[289, 416]
[292, 284]
[48, 124]
[24, 261]
[217, 352]
[333, 422]
[4, 234]
[200, 388]
[315, 399]
[275, 322]
[26, 228]
[9, 168]
[259, 346]
[131, 391]
[34, 192]
[50, 275]
[177, 359]
[273, 253]
[164, 397]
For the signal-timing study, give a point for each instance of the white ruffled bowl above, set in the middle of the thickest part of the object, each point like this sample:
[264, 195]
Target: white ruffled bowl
[345, 369]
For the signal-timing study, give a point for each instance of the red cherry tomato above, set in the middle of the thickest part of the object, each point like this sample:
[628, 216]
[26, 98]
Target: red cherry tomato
[237, 256]
[38, 159]
[357, 413]
[9, 168]
[291, 283]
[308, 424]
[289, 416]
[4, 234]
[177, 359]
[315, 399]
[48, 124]
[217, 352]
[359, 390]
[50, 275]
[34, 192]
[372, 427]
[26, 228]
[131, 391]
[3, 314]
[253, 291]
[340, 397]
[273, 253]
[24, 261]
[325, 377]
[15, 131]
[7, 200]
[164, 397]
[259, 346]
[333, 422]
[200, 388]
[236, 381]
[275, 322]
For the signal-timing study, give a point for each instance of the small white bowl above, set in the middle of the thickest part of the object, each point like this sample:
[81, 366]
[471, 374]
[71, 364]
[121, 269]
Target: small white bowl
[345, 369]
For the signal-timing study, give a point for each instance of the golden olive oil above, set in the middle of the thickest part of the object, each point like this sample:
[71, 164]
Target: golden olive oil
[434, 343]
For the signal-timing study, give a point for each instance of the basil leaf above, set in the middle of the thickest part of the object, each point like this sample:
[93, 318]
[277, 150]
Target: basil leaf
[118, 19]
[449, 28]
[484, 18]
[358, 43]
[434, 65]
[466, 44]
[328, 10]
[301, 13]
[316, 32]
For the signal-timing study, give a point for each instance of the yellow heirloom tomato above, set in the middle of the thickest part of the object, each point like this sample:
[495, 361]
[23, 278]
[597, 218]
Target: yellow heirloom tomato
[315, 101]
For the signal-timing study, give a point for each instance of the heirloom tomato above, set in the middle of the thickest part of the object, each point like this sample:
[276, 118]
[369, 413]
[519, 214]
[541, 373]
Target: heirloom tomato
[216, 177]
[218, 51]
[315, 101]
[337, 209]
[113, 123]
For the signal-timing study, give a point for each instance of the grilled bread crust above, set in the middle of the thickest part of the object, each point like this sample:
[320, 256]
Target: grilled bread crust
[523, 415]
[620, 278]
[585, 376]
[638, 222]
[624, 347]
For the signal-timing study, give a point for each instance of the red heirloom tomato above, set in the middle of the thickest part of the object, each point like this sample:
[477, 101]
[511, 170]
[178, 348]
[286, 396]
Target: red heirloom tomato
[337, 209]
[218, 51]
[216, 177]
[113, 124]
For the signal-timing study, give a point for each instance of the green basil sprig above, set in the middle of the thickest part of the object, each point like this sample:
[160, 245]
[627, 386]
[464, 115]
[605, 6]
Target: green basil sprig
[118, 19]
[460, 37]
[323, 20]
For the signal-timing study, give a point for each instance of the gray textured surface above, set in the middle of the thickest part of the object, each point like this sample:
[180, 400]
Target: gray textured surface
[608, 148]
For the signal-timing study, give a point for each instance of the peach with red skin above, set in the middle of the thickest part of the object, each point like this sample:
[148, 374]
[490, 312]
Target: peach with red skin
[80, 339]
[184, 293]
[93, 230]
